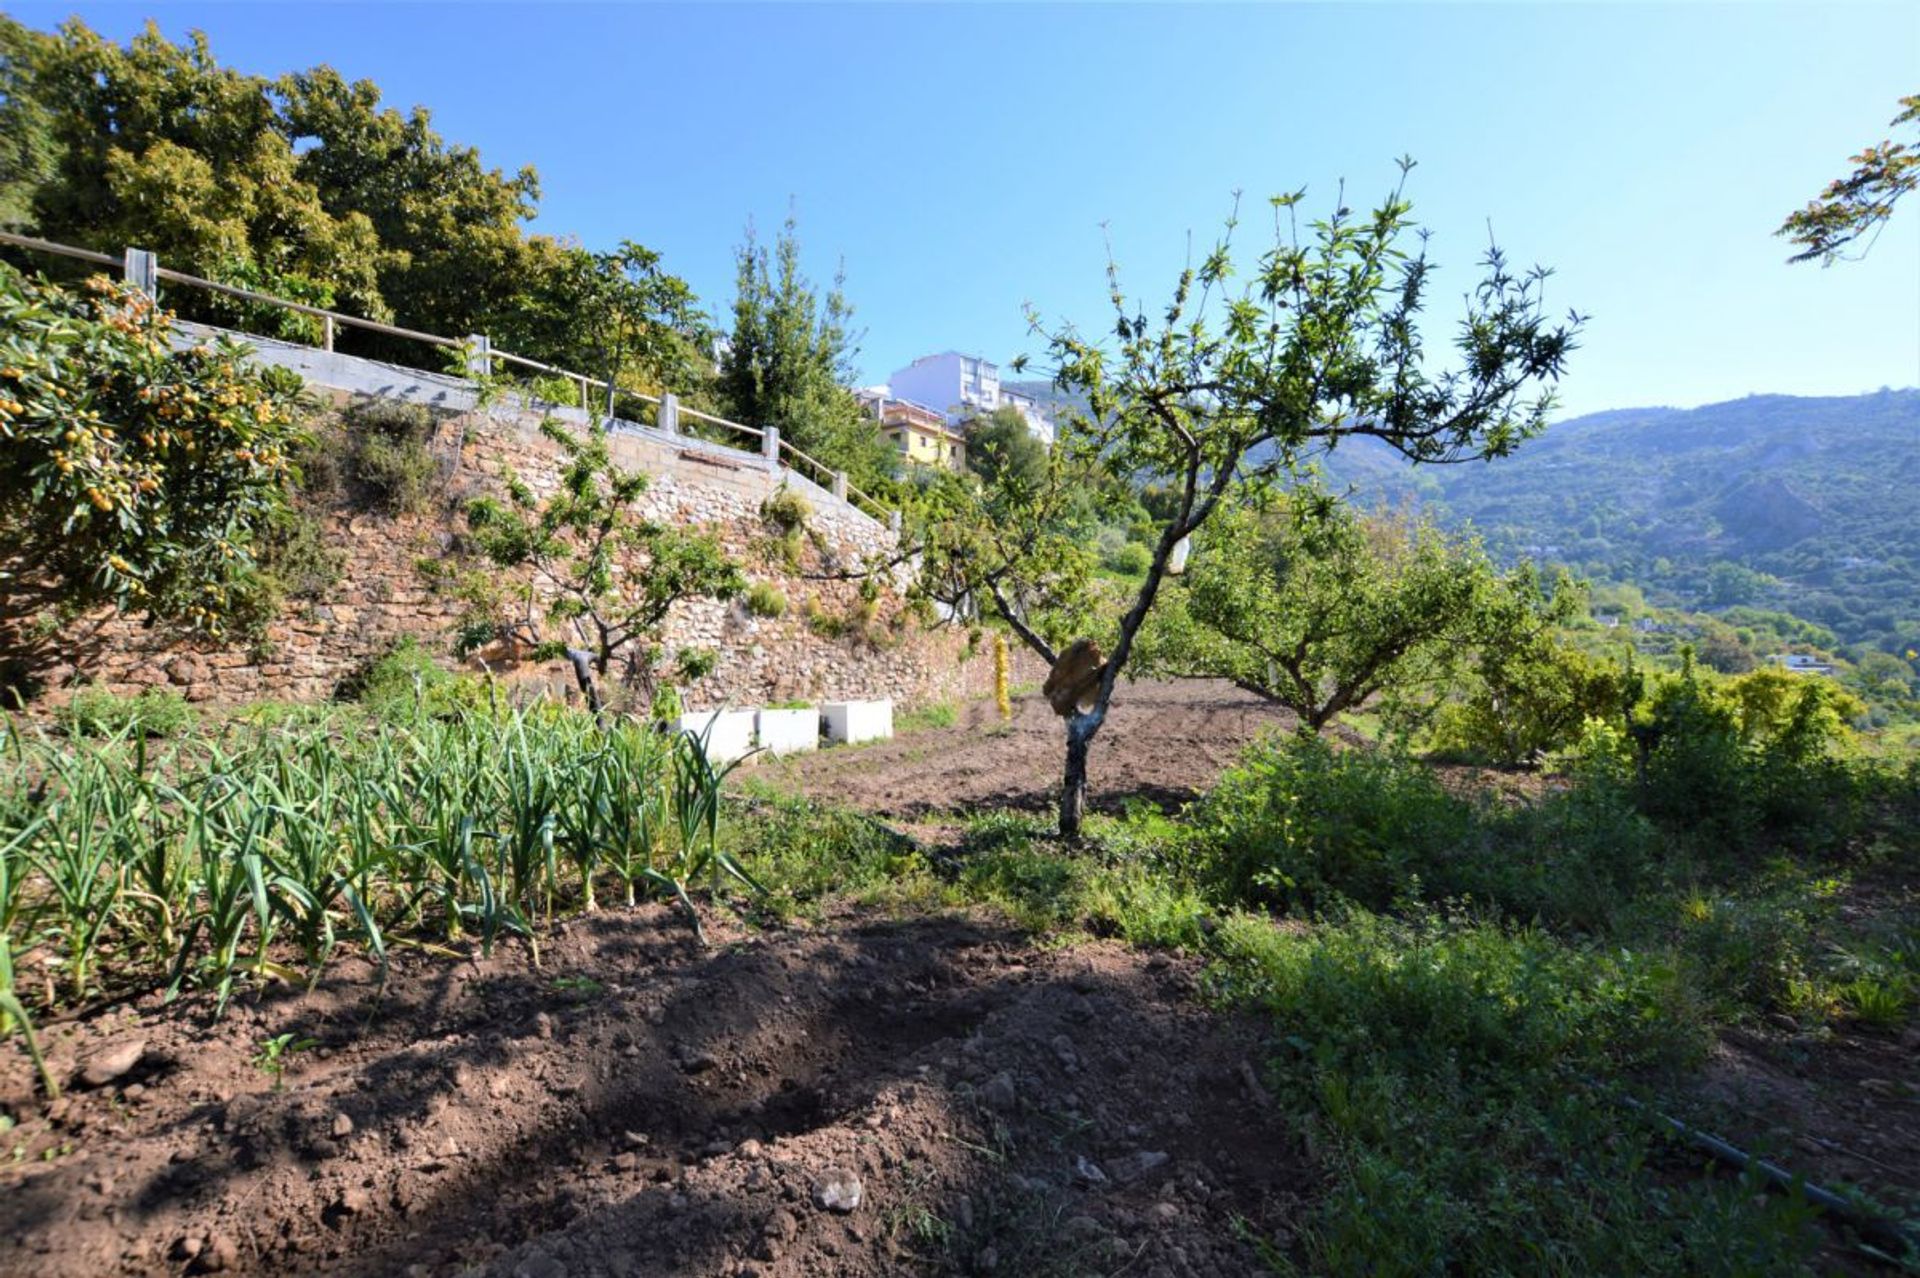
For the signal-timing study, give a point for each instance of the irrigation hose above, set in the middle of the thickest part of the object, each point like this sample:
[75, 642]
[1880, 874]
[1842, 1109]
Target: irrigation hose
[1886, 1235]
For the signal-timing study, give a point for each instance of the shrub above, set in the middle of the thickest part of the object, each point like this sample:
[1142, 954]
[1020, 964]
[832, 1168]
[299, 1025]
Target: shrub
[132, 474]
[785, 511]
[764, 600]
[152, 712]
[1128, 559]
[1301, 822]
[407, 683]
[300, 558]
[388, 454]
[563, 391]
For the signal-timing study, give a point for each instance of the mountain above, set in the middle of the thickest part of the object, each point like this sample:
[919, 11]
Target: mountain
[1809, 506]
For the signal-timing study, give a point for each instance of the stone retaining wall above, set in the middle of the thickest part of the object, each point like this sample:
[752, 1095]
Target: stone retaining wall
[384, 595]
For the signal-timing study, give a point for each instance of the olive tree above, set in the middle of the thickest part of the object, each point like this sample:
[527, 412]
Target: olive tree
[1236, 381]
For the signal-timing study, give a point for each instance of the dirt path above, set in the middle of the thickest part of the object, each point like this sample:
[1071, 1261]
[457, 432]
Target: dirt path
[1164, 741]
[641, 1106]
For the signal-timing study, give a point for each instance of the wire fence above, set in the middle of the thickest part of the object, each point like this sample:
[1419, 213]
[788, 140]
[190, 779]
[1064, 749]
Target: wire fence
[142, 268]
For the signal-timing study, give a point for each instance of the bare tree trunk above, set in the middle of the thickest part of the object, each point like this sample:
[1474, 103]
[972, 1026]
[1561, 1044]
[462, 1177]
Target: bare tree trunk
[1073, 787]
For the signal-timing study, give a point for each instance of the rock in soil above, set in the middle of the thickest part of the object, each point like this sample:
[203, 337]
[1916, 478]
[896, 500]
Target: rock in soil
[112, 1063]
[837, 1189]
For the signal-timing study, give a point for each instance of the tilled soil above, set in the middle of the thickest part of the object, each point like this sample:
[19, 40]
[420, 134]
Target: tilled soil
[927, 1096]
[1165, 741]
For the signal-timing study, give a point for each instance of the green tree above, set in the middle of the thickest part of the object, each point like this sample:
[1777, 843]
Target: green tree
[999, 443]
[1860, 202]
[790, 358]
[1303, 602]
[1225, 389]
[1528, 691]
[598, 578]
[308, 188]
[131, 474]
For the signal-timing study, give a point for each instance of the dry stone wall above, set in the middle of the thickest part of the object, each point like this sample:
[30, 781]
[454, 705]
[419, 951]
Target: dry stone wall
[383, 594]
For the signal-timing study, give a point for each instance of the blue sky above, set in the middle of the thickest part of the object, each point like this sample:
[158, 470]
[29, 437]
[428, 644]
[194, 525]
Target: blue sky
[962, 160]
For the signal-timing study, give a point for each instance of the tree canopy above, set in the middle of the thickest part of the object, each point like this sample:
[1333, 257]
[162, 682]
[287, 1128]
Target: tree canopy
[999, 443]
[1228, 387]
[790, 357]
[308, 188]
[1302, 601]
[1859, 203]
[132, 474]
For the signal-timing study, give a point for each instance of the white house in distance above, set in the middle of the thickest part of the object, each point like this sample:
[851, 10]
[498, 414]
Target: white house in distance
[963, 385]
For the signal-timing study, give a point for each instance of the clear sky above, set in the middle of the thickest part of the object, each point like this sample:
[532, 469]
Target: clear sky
[962, 159]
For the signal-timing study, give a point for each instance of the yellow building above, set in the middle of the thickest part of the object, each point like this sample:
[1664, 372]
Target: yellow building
[921, 434]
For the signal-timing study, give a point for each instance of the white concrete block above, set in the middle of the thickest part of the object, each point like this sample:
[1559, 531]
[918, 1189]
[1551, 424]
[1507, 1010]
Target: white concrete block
[854, 721]
[788, 731]
[728, 733]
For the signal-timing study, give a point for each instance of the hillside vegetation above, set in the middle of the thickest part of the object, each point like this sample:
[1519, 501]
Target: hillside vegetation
[1798, 505]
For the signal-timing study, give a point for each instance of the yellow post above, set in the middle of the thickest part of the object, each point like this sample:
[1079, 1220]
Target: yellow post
[1000, 697]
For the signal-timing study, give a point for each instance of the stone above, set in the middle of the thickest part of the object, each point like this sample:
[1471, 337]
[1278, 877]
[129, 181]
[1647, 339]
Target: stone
[342, 1126]
[1000, 1092]
[219, 1254]
[112, 1062]
[353, 1201]
[838, 1190]
[1088, 1170]
[1135, 1165]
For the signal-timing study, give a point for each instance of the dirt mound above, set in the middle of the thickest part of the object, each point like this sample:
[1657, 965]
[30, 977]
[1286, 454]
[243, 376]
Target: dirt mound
[927, 1096]
[1164, 741]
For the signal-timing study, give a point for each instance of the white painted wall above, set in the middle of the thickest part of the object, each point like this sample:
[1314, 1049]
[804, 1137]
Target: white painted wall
[728, 733]
[855, 721]
[788, 731]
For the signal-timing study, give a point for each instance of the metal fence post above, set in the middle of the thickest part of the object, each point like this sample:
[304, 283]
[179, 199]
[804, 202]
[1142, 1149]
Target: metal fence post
[326, 332]
[840, 484]
[670, 413]
[141, 268]
[770, 446]
[479, 356]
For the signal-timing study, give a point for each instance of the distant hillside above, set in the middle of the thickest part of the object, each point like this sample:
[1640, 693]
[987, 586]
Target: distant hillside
[1806, 505]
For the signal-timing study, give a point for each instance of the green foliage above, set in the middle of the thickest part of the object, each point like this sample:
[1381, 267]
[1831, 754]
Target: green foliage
[1000, 448]
[406, 683]
[1527, 691]
[152, 712]
[132, 474]
[308, 188]
[789, 361]
[388, 454]
[1320, 610]
[255, 851]
[1859, 203]
[1305, 822]
[765, 600]
[612, 574]
[934, 714]
[1808, 497]
[1127, 559]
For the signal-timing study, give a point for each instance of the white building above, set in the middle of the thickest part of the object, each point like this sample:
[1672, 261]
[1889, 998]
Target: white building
[1801, 663]
[964, 386]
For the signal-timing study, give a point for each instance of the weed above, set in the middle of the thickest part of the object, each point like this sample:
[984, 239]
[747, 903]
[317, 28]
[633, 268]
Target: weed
[271, 1059]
